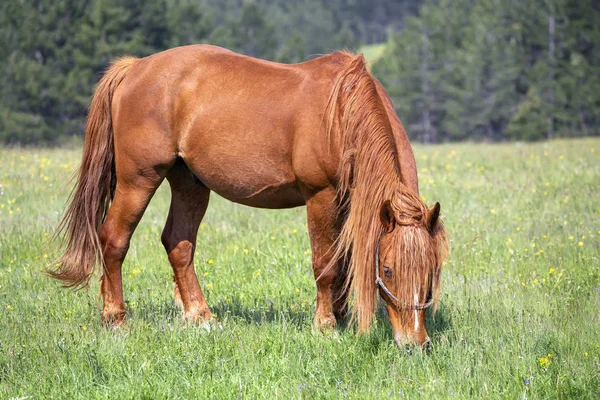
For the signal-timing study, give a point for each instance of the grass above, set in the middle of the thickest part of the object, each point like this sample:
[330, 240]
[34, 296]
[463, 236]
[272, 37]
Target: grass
[518, 316]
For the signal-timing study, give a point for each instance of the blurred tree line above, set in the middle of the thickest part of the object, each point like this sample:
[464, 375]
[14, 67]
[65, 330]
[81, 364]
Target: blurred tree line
[457, 69]
[496, 70]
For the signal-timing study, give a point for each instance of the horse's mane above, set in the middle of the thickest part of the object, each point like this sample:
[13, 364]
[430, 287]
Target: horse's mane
[368, 175]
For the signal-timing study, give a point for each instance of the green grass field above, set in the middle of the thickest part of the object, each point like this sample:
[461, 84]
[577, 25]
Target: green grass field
[519, 313]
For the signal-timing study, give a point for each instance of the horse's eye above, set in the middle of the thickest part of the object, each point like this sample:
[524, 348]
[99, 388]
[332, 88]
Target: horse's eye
[387, 271]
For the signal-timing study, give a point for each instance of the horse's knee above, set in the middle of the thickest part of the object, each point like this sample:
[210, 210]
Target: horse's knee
[181, 254]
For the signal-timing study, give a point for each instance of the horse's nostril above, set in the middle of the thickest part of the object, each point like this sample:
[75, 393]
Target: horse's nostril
[428, 345]
[414, 345]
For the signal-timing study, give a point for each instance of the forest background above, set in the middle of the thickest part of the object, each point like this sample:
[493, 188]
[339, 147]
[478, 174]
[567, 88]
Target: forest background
[480, 70]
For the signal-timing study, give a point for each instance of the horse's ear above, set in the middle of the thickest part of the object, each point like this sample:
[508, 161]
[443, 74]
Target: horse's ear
[432, 216]
[388, 220]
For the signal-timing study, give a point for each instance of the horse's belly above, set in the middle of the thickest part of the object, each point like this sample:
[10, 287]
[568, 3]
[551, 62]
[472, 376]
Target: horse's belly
[272, 196]
[247, 179]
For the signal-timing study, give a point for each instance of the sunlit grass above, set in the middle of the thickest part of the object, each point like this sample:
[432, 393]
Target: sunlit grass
[518, 315]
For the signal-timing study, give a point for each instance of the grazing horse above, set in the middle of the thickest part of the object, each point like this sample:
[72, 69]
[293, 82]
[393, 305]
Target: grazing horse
[322, 133]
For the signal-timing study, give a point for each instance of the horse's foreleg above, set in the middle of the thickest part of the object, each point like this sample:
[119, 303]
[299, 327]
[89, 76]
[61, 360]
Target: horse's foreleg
[322, 229]
[188, 204]
[123, 216]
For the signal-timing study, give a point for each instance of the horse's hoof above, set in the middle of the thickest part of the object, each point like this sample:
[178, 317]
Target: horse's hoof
[325, 325]
[197, 315]
[211, 325]
[113, 321]
[202, 318]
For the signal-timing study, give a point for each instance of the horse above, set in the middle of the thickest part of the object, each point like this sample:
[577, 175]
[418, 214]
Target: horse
[321, 133]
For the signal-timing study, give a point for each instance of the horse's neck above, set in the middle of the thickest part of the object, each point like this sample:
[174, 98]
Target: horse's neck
[405, 155]
[398, 169]
[378, 167]
[371, 138]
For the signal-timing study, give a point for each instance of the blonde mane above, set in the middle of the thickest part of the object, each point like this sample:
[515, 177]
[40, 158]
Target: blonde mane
[368, 175]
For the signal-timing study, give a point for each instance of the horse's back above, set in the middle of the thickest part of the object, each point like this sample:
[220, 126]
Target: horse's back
[245, 127]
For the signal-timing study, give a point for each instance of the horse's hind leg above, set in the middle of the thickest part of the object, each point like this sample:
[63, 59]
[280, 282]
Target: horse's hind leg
[189, 200]
[131, 199]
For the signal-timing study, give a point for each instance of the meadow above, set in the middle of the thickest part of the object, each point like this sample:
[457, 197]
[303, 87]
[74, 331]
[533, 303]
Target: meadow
[518, 318]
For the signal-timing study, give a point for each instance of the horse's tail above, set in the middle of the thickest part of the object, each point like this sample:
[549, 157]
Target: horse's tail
[96, 181]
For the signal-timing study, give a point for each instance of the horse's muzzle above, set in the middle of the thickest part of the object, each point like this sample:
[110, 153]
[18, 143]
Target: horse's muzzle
[426, 346]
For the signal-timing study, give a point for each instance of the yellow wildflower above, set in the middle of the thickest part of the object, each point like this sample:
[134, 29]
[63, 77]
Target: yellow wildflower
[544, 362]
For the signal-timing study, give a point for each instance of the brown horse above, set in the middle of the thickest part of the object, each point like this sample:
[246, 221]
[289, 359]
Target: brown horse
[322, 133]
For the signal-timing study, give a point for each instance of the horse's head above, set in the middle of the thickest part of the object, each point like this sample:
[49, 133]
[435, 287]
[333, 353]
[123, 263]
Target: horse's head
[410, 251]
